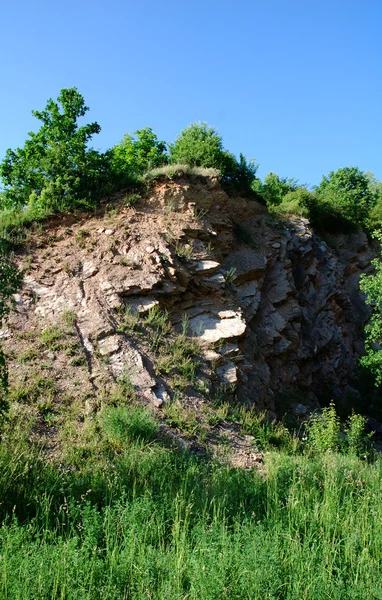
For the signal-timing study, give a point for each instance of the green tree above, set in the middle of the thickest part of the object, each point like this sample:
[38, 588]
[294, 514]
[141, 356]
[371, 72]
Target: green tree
[136, 154]
[348, 192]
[371, 285]
[275, 188]
[55, 169]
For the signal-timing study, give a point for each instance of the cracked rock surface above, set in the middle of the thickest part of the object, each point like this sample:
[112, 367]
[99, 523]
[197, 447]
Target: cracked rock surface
[272, 306]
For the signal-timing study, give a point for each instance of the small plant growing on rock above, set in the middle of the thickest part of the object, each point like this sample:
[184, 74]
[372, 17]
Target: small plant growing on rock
[81, 236]
[183, 251]
[132, 199]
[51, 338]
[129, 320]
[230, 275]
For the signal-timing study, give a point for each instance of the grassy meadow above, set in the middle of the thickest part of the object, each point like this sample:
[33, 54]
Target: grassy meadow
[124, 515]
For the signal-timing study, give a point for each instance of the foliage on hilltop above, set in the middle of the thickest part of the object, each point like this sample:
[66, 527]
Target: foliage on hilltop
[201, 146]
[55, 169]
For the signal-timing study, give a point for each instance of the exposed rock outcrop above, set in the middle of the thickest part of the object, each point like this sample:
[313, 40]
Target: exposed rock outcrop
[273, 306]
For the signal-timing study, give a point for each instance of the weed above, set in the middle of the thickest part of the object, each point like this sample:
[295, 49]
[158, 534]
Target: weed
[179, 170]
[29, 355]
[78, 361]
[188, 368]
[356, 440]
[323, 431]
[68, 270]
[82, 237]
[51, 338]
[159, 320]
[183, 251]
[72, 349]
[200, 214]
[230, 275]
[181, 418]
[111, 211]
[36, 388]
[69, 318]
[129, 424]
[132, 199]
[129, 320]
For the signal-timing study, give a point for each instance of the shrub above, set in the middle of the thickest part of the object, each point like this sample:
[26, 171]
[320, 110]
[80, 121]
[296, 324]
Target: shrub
[323, 431]
[325, 216]
[371, 285]
[135, 155]
[323, 434]
[201, 146]
[275, 188]
[357, 442]
[348, 192]
[294, 203]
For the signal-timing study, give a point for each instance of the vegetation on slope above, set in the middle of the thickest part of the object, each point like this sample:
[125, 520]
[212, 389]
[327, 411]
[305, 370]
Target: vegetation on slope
[122, 514]
[56, 170]
[126, 516]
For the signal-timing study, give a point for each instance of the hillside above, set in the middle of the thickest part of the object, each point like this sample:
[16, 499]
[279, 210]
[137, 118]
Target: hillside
[186, 295]
[158, 348]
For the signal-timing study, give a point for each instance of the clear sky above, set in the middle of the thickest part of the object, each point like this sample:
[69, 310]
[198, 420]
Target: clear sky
[297, 84]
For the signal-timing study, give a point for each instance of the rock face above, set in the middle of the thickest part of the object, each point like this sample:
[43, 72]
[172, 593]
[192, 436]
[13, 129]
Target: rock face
[273, 306]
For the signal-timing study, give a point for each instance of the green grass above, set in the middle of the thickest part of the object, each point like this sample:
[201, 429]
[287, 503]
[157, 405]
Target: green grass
[179, 170]
[17, 225]
[132, 518]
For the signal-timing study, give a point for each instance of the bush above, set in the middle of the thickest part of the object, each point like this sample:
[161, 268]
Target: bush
[371, 285]
[323, 431]
[201, 146]
[323, 434]
[134, 156]
[324, 216]
[275, 188]
[293, 203]
[348, 192]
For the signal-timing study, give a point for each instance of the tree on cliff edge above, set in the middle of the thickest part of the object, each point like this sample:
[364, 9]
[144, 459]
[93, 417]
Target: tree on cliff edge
[55, 169]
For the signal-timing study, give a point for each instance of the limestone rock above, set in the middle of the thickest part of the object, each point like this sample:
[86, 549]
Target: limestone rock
[227, 373]
[206, 267]
[141, 304]
[110, 344]
[247, 265]
[211, 326]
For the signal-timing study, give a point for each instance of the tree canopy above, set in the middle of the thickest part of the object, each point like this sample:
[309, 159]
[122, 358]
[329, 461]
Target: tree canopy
[136, 154]
[348, 192]
[55, 168]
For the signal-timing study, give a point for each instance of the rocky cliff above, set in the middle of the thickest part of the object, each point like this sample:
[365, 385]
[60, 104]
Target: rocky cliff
[266, 307]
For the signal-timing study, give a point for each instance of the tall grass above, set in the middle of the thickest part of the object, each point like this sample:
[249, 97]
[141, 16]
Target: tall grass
[136, 519]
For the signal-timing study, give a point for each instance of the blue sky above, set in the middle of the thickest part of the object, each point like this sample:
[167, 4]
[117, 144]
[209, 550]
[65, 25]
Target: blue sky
[294, 83]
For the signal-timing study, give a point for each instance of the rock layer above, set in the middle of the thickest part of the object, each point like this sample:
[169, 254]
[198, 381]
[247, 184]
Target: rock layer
[274, 306]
